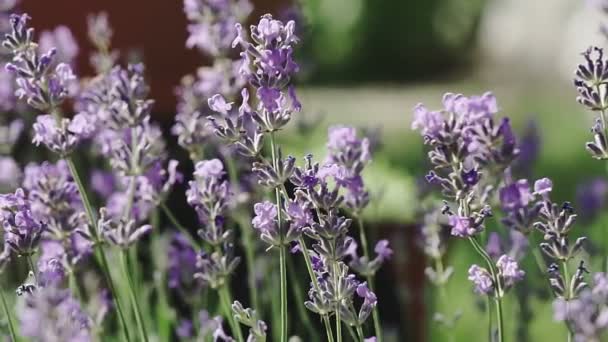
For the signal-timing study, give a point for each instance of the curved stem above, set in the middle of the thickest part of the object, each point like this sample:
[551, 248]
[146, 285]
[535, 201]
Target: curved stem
[133, 295]
[490, 264]
[225, 299]
[370, 279]
[179, 226]
[282, 266]
[7, 313]
[91, 217]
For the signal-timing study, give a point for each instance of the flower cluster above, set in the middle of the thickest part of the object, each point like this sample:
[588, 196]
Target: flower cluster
[466, 144]
[52, 314]
[22, 231]
[45, 84]
[587, 315]
[212, 23]
[590, 81]
[508, 274]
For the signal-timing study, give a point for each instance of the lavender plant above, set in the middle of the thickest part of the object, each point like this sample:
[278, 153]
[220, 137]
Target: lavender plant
[469, 152]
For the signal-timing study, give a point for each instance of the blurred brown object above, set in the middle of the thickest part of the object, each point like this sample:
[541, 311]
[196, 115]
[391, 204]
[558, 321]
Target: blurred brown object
[155, 28]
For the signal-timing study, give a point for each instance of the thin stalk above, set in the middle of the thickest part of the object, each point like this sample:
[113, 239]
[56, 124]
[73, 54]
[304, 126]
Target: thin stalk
[32, 267]
[282, 266]
[443, 296]
[225, 299]
[297, 291]
[569, 294]
[489, 308]
[499, 319]
[360, 333]
[91, 217]
[351, 332]
[7, 313]
[490, 264]
[133, 296]
[370, 280]
[175, 222]
[247, 240]
[338, 319]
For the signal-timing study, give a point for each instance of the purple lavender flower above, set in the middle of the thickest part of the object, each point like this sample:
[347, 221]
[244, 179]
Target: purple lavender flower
[463, 226]
[482, 280]
[122, 233]
[529, 149]
[590, 77]
[62, 39]
[102, 182]
[53, 194]
[191, 126]
[51, 314]
[184, 329]
[268, 65]
[62, 136]
[494, 245]
[515, 195]
[43, 82]
[586, 315]
[383, 250]
[210, 196]
[591, 198]
[429, 123]
[11, 175]
[21, 231]
[265, 216]
[543, 187]
[212, 22]
[509, 270]
[181, 264]
[363, 265]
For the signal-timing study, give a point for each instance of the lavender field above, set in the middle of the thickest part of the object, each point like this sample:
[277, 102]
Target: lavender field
[326, 171]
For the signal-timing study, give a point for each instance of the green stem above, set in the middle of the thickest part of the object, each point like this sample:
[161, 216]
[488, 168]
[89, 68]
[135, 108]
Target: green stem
[443, 296]
[360, 333]
[30, 263]
[133, 296]
[225, 299]
[282, 266]
[179, 226]
[338, 319]
[351, 332]
[490, 264]
[11, 326]
[297, 291]
[489, 308]
[247, 238]
[283, 274]
[370, 279]
[568, 294]
[499, 319]
[91, 217]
